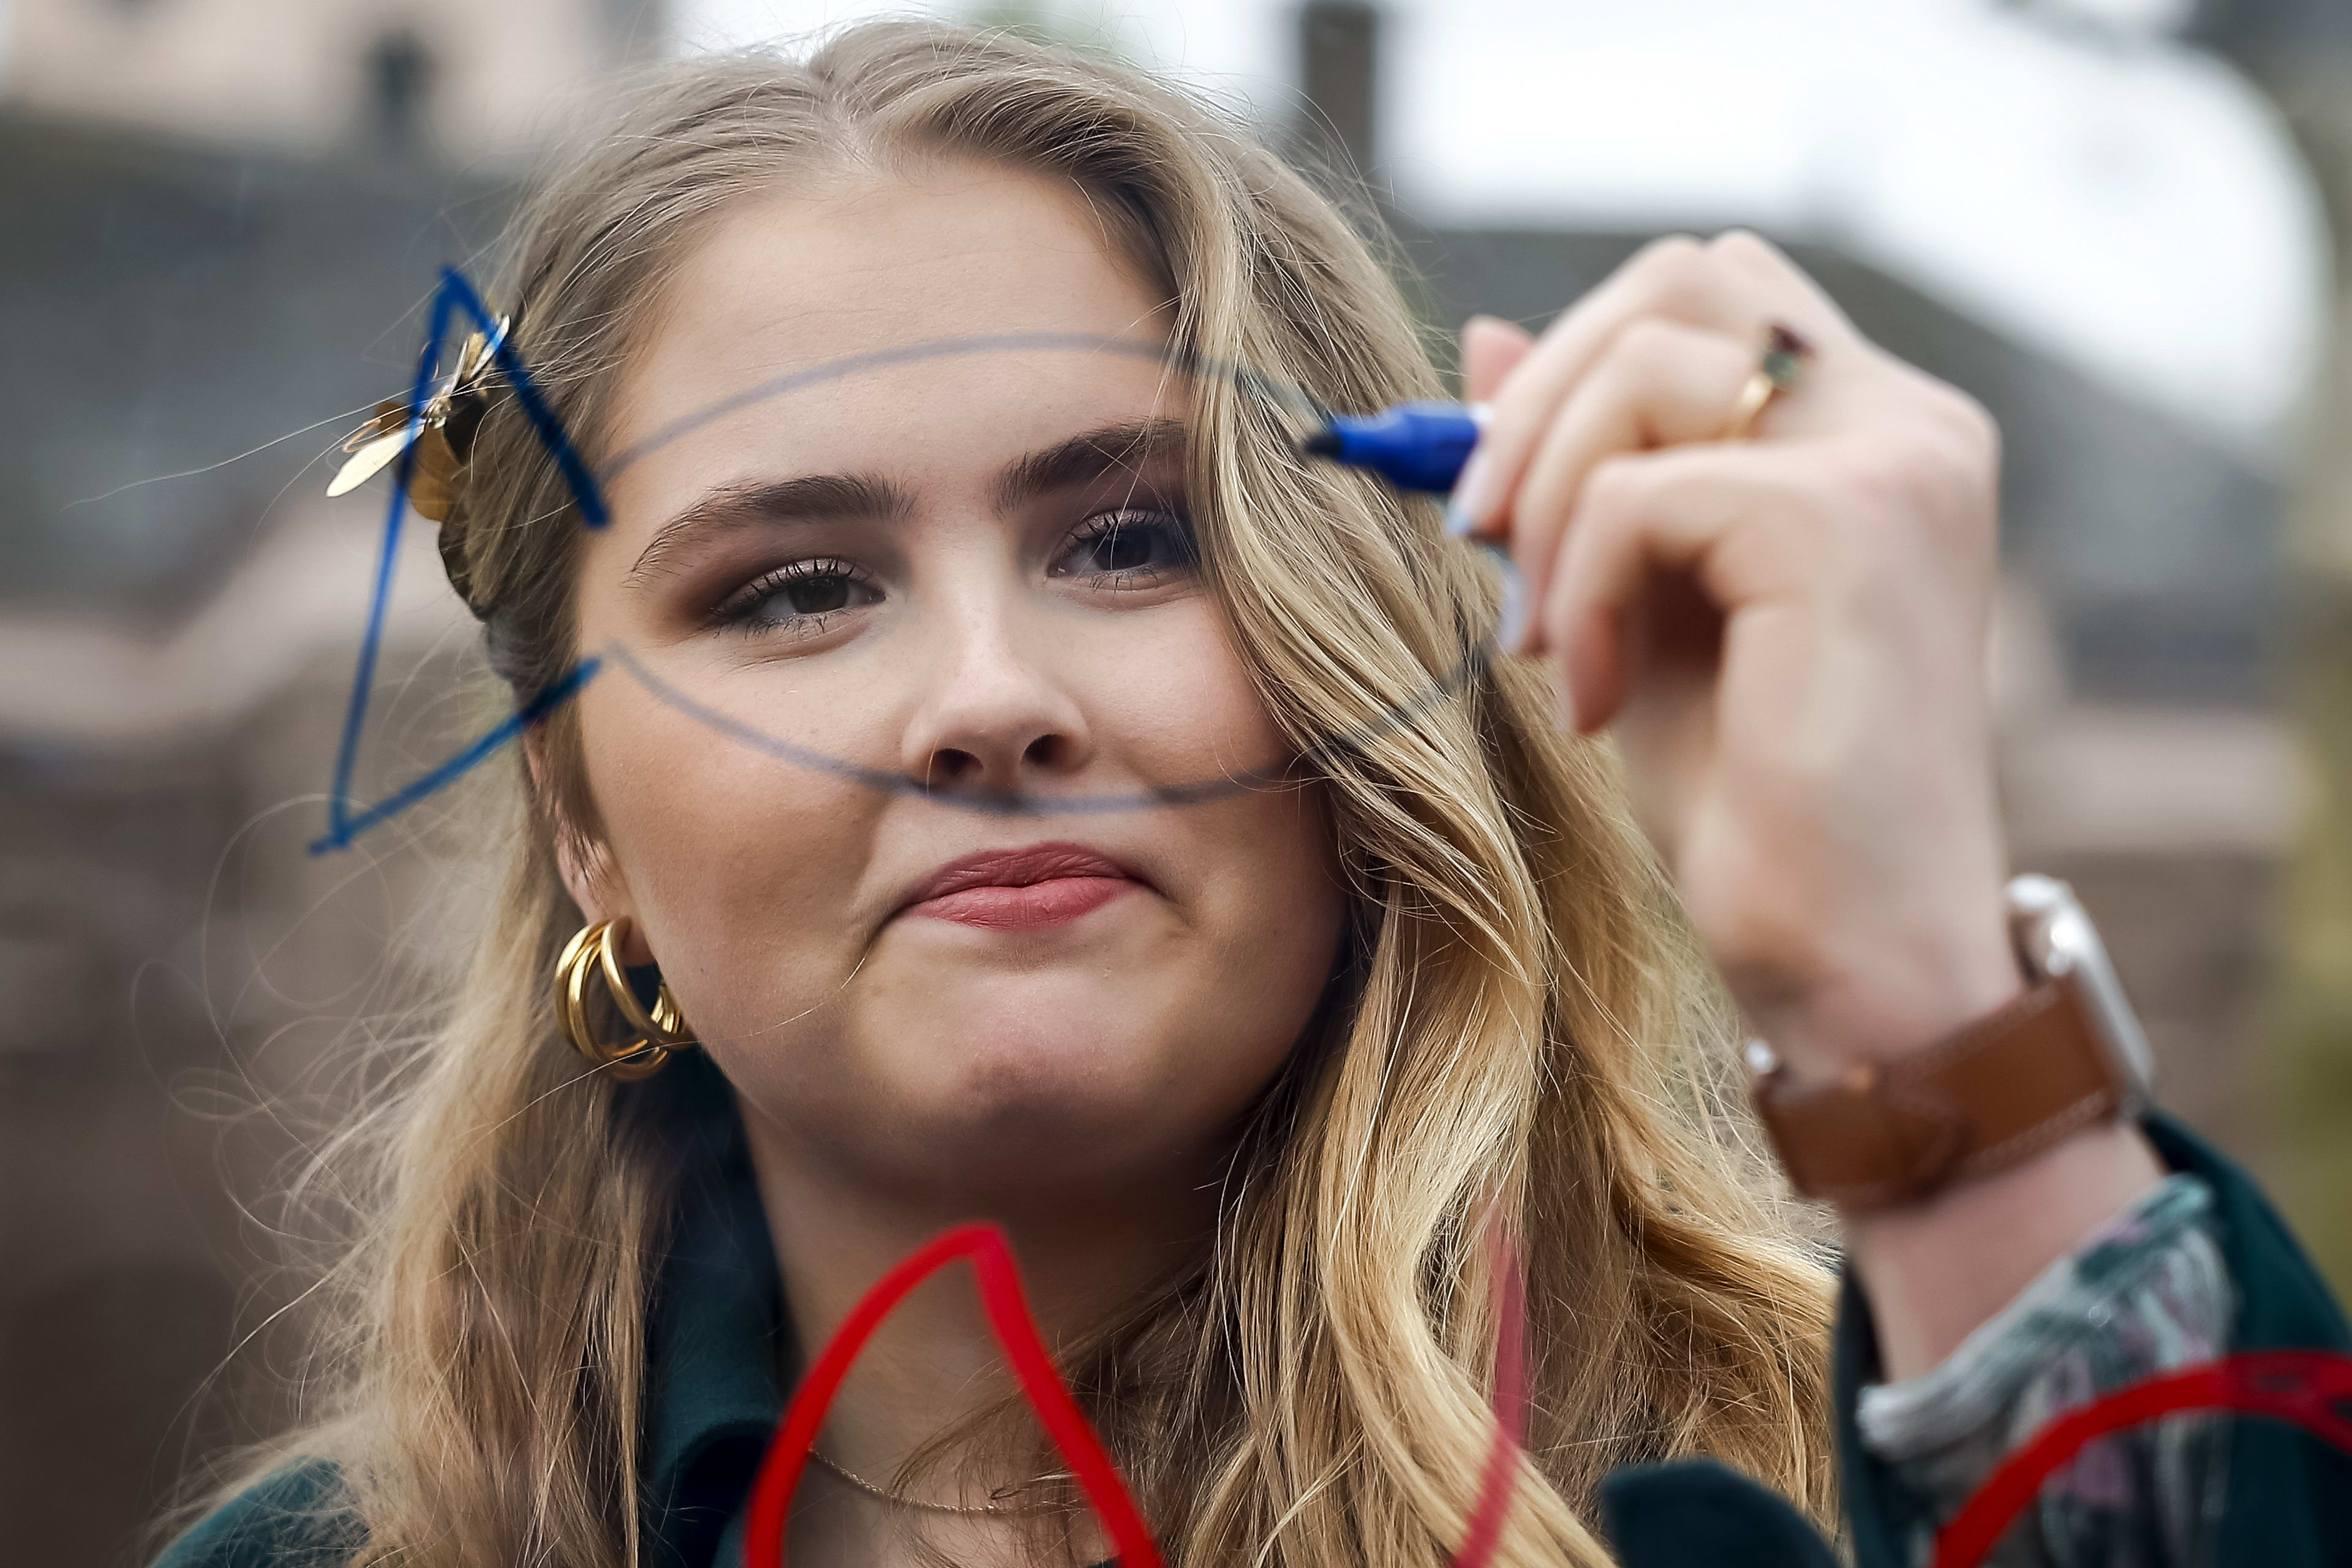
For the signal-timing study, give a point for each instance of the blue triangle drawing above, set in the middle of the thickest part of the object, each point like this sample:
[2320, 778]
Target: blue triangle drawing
[346, 819]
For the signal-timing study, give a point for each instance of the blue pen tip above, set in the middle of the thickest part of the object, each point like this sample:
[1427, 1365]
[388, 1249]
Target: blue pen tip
[1414, 446]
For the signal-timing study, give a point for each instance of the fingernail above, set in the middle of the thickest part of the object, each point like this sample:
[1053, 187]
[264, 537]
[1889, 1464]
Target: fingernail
[1466, 507]
[1511, 628]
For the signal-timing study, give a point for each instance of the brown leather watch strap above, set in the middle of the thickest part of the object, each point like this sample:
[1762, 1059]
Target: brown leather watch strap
[1990, 1096]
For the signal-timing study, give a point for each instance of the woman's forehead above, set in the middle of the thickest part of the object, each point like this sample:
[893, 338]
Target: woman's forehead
[784, 283]
[939, 320]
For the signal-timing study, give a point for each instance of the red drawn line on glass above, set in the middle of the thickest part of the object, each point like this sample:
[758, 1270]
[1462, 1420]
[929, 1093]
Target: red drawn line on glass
[2310, 1389]
[1015, 1328]
[1009, 1316]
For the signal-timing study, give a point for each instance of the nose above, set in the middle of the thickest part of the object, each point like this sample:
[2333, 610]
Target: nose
[997, 718]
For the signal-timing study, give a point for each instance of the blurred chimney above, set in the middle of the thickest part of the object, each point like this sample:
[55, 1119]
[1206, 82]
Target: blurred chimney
[1338, 52]
[400, 71]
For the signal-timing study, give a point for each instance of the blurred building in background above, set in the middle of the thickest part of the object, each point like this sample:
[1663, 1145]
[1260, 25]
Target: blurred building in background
[2301, 50]
[218, 219]
[470, 82]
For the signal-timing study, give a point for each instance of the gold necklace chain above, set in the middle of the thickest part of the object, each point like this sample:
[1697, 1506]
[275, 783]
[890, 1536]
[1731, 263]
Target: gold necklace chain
[969, 1511]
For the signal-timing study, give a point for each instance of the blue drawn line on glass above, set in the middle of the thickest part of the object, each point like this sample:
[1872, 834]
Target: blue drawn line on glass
[343, 823]
[456, 293]
[550, 697]
[1293, 400]
[994, 803]
[886, 781]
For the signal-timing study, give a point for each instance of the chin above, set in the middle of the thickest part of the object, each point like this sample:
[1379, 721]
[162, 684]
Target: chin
[1061, 1077]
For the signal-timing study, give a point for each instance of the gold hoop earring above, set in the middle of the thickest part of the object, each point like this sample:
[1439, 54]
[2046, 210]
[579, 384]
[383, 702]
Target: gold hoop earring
[596, 949]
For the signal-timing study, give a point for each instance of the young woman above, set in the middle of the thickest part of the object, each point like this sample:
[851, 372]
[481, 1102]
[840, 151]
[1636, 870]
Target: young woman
[1042, 795]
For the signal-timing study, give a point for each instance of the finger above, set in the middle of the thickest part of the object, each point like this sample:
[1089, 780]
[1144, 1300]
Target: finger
[1735, 284]
[1491, 349]
[1732, 517]
[1666, 271]
[1746, 253]
[1658, 384]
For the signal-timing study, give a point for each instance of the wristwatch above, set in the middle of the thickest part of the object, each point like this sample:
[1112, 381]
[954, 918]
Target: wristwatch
[2065, 1054]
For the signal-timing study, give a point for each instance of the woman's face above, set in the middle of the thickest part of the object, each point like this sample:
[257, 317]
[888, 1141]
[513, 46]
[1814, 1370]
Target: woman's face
[971, 574]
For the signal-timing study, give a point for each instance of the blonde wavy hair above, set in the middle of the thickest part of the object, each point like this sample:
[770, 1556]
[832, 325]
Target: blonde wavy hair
[1524, 1025]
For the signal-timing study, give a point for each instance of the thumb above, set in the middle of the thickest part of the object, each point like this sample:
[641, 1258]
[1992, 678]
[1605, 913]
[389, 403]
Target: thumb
[1491, 350]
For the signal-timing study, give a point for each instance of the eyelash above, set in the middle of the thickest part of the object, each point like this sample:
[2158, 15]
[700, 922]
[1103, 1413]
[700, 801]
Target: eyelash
[740, 612]
[1120, 522]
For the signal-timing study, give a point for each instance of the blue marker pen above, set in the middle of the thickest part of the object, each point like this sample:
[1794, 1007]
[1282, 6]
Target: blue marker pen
[1413, 445]
[1420, 446]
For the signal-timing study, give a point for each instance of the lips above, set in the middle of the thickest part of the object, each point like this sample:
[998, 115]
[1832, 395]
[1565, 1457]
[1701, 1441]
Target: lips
[1006, 890]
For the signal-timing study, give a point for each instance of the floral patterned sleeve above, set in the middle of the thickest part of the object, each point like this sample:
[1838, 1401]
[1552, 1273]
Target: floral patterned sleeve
[2146, 1294]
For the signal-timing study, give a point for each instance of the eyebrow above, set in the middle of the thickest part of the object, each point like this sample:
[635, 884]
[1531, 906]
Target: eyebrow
[766, 503]
[1084, 458]
[1092, 454]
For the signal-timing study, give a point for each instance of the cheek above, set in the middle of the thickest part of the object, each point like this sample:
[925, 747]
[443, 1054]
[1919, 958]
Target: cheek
[1277, 914]
[735, 867]
[1265, 892]
[1168, 696]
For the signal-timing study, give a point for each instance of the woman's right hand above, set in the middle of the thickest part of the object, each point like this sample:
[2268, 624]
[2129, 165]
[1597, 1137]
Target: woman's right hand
[1786, 630]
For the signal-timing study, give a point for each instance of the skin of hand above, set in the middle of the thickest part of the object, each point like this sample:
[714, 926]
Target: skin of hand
[1787, 634]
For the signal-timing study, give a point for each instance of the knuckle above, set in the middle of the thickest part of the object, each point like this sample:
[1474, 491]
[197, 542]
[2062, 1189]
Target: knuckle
[1955, 457]
[1669, 251]
[1643, 341]
[1746, 248]
[1927, 479]
[1617, 487]
[1973, 427]
[1960, 418]
[1674, 269]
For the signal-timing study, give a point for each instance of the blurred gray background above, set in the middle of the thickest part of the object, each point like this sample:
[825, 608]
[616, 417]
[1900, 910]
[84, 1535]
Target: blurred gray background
[2111, 220]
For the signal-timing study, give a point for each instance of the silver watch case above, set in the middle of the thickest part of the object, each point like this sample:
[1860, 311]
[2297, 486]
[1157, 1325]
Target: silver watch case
[2054, 936]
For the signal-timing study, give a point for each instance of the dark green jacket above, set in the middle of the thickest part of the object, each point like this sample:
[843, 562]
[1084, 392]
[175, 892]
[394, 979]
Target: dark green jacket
[713, 1401]
[715, 1398]
[2290, 1497]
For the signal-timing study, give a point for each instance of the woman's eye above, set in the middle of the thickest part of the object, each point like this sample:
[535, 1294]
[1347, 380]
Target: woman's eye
[1134, 547]
[797, 597]
[816, 595]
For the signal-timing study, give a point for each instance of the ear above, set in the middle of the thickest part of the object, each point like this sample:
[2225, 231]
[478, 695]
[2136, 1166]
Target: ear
[582, 861]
